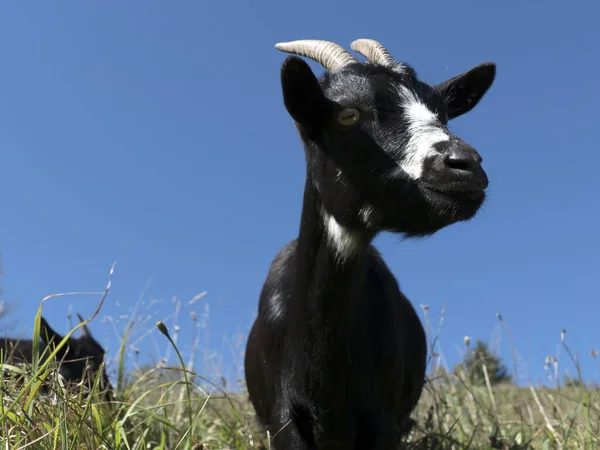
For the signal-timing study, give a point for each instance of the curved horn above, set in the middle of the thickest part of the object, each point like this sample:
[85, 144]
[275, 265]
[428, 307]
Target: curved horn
[329, 54]
[84, 329]
[373, 51]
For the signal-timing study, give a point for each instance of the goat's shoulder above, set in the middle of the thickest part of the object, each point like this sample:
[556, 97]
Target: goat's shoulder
[386, 303]
[279, 267]
[378, 272]
[274, 289]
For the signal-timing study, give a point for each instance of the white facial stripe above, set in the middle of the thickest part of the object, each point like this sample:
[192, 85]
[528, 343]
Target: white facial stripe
[423, 130]
[345, 242]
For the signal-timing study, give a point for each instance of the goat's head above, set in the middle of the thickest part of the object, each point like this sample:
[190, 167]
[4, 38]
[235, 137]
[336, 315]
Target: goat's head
[79, 357]
[377, 144]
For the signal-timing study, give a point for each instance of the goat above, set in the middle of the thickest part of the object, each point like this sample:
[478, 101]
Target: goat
[336, 357]
[75, 358]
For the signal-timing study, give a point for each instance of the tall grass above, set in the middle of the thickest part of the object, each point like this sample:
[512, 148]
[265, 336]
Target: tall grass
[171, 407]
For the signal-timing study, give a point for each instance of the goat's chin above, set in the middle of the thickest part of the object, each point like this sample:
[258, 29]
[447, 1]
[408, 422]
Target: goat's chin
[433, 211]
[453, 206]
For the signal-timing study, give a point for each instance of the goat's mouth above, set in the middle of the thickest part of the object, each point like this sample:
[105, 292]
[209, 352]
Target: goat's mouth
[456, 182]
[464, 202]
[456, 191]
[453, 204]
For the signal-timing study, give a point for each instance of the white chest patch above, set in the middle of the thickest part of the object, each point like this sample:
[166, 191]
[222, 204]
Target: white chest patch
[424, 132]
[345, 242]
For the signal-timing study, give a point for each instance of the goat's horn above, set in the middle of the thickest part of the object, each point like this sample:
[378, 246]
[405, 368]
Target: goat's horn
[329, 54]
[84, 329]
[373, 51]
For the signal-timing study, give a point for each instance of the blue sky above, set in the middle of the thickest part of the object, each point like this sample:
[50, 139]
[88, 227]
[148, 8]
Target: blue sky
[154, 134]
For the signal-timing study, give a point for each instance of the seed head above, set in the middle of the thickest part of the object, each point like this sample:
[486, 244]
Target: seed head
[163, 328]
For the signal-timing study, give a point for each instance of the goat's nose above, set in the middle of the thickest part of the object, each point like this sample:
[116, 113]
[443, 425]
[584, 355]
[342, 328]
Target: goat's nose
[463, 158]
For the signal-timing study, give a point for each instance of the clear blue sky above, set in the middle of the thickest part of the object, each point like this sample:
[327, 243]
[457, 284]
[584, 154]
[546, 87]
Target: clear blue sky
[154, 134]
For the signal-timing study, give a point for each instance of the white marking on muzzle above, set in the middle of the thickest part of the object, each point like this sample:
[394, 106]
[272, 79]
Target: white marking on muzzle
[424, 132]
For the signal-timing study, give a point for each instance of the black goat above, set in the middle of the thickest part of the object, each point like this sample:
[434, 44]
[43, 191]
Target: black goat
[77, 358]
[336, 357]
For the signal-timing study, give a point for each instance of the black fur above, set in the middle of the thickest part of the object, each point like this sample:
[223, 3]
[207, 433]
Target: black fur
[71, 359]
[336, 357]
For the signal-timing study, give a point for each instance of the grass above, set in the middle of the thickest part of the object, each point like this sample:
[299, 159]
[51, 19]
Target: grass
[171, 407]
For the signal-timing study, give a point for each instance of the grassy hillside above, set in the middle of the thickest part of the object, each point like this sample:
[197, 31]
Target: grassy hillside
[157, 408]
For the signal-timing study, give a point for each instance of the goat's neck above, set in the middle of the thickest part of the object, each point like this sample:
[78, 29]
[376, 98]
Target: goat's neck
[330, 265]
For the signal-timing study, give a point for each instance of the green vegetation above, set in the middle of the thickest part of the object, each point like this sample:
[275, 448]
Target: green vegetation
[475, 405]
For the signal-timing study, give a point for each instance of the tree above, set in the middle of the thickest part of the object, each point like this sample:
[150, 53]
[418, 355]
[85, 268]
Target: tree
[473, 363]
[573, 382]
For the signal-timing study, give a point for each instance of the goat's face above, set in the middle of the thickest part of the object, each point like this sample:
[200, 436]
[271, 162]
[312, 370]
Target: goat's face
[378, 148]
[79, 357]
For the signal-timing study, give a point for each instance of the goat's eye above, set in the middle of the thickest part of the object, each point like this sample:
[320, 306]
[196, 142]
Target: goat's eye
[348, 116]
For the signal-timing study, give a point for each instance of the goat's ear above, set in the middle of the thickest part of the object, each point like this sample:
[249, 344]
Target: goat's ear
[47, 333]
[302, 94]
[464, 91]
[85, 332]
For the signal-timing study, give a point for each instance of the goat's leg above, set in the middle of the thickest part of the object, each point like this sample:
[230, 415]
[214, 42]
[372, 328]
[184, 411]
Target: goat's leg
[341, 432]
[290, 437]
[362, 431]
[388, 435]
